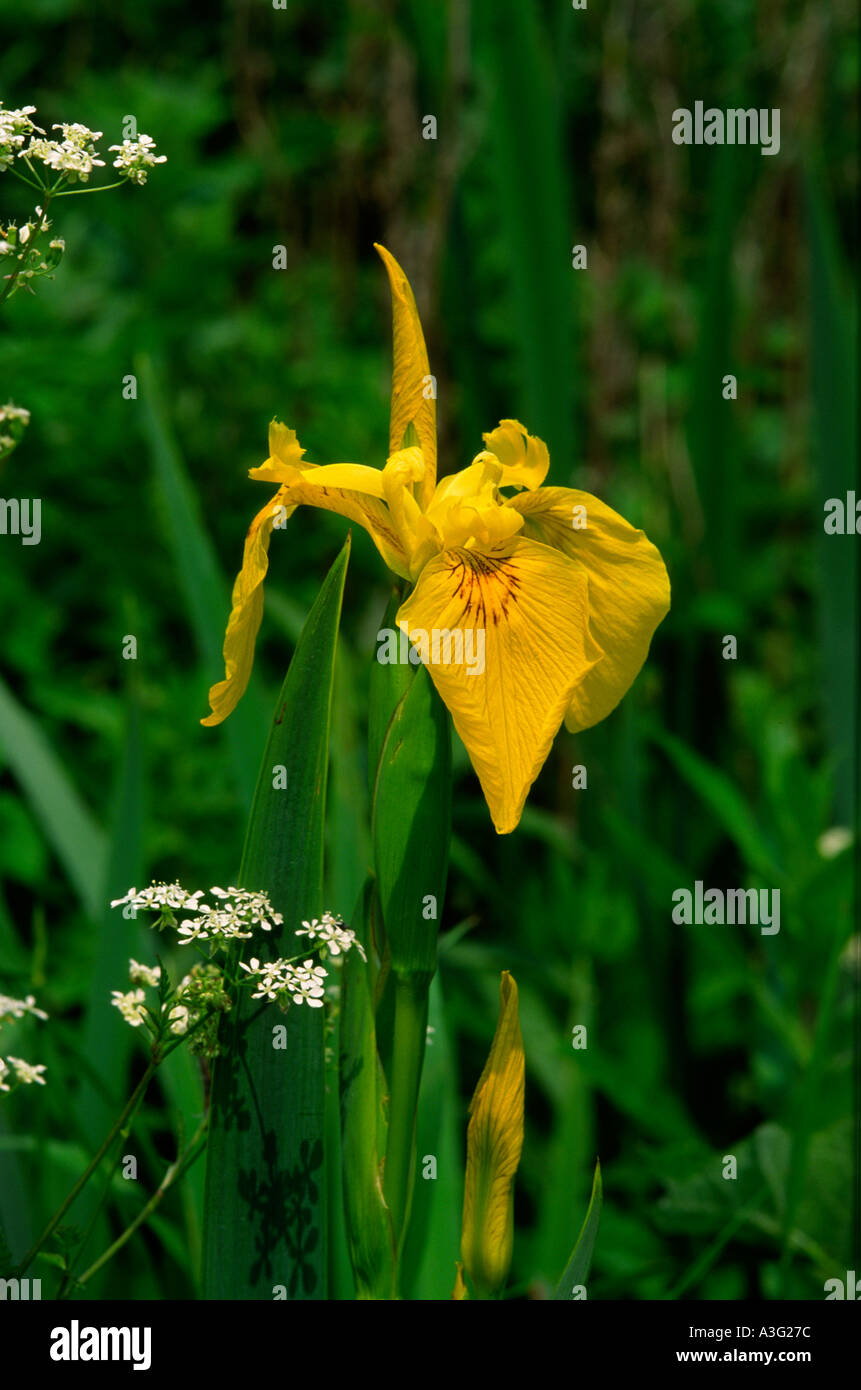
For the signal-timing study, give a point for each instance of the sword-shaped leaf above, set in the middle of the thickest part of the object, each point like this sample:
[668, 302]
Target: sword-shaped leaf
[577, 1269]
[264, 1210]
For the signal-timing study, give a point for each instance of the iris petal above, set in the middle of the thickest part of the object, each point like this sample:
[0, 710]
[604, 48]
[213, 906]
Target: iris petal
[413, 398]
[629, 589]
[524, 610]
[246, 613]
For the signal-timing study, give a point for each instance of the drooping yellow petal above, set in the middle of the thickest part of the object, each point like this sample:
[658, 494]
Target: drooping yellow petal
[523, 456]
[493, 1143]
[285, 465]
[413, 397]
[512, 645]
[352, 490]
[246, 612]
[629, 589]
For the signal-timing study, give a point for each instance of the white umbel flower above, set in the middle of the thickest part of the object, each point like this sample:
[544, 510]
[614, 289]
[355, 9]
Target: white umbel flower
[255, 909]
[74, 155]
[144, 974]
[159, 896]
[227, 925]
[135, 158]
[331, 933]
[238, 914]
[130, 1005]
[278, 979]
[17, 1008]
[26, 1073]
[306, 984]
[15, 128]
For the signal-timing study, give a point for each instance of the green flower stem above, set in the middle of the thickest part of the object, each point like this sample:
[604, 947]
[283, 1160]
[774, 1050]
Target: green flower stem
[410, 1037]
[37, 230]
[39, 187]
[177, 1170]
[129, 1108]
[97, 188]
[124, 1133]
[160, 1054]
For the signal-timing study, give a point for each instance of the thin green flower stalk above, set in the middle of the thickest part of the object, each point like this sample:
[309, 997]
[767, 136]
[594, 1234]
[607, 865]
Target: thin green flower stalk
[410, 761]
[174, 1173]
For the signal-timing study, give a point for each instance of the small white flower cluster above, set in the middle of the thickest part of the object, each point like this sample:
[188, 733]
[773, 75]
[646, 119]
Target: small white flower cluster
[75, 155]
[14, 414]
[22, 1073]
[14, 419]
[15, 128]
[234, 920]
[286, 983]
[158, 897]
[135, 158]
[132, 1005]
[234, 917]
[25, 1072]
[144, 974]
[17, 1008]
[332, 934]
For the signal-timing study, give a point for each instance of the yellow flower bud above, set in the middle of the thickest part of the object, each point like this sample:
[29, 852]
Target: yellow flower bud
[493, 1143]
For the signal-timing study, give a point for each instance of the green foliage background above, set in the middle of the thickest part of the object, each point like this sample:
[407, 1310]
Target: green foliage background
[302, 127]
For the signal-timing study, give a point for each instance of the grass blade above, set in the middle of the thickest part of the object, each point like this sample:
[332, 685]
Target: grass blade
[370, 1233]
[577, 1269]
[76, 839]
[200, 579]
[725, 802]
[834, 373]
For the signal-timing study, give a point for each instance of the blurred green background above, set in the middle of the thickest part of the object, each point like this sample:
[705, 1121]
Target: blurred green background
[302, 127]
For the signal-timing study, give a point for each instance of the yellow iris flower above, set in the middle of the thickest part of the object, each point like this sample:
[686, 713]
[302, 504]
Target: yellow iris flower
[558, 591]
